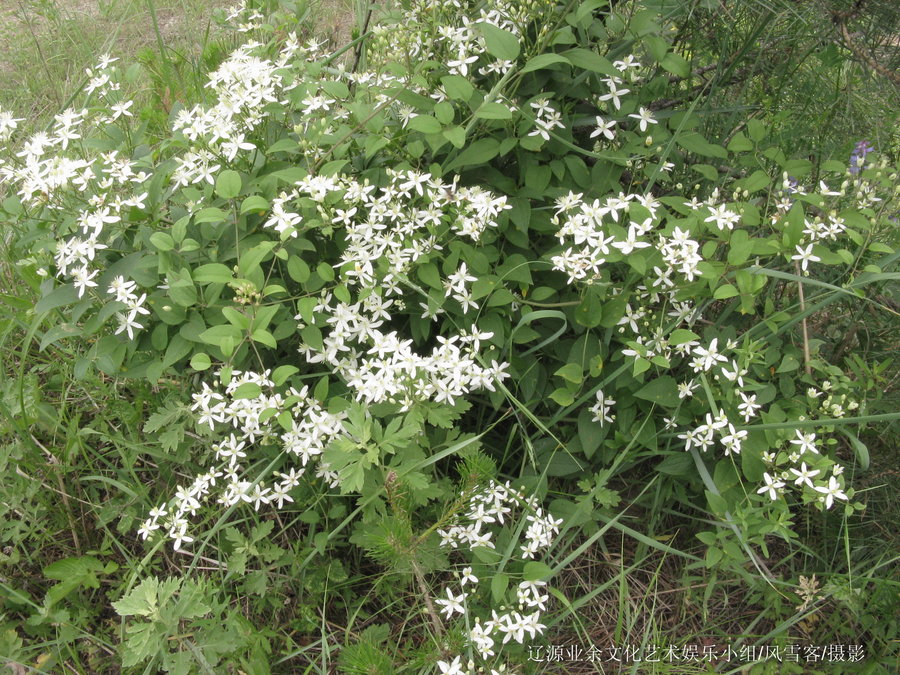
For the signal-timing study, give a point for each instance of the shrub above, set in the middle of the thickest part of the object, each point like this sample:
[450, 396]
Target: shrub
[499, 243]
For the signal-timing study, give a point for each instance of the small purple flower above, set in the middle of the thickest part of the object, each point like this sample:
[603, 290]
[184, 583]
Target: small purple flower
[858, 157]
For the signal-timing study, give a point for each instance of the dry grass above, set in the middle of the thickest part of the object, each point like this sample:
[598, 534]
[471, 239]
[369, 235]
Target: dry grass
[45, 45]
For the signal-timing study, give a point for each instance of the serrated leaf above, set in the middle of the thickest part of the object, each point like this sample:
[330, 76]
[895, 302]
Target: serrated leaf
[141, 601]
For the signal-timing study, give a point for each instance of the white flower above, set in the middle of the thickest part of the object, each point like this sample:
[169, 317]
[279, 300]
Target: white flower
[805, 442]
[604, 128]
[645, 117]
[83, 279]
[805, 256]
[805, 475]
[452, 603]
[452, 668]
[831, 492]
[772, 486]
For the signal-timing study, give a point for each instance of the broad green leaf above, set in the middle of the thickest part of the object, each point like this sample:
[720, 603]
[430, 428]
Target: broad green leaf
[200, 361]
[661, 390]
[228, 184]
[480, 152]
[536, 571]
[254, 203]
[589, 60]
[498, 42]
[493, 111]
[213, 273]
[162, 241]
[210, 215]
[457, 87]
[544, 61]
[424, 123]
[694, 142]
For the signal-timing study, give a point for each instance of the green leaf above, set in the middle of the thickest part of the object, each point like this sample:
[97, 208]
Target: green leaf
[183, 293]
[662, 390]
[563, 397]
[571, 372]
[480, 152]
[708, 171]
[228, 184]
[162, 241]
[200, 361]
[424, 123]
[682, 336]
[58, 297]
[757, 130]
[444, 112]
[264, 337]
[457, 87]
[542, 61]
[681, 464]
[298, 270]
[590, 312]
[247, 390]
[588, 60]
[694, 142]
[254, 203]
[493, 111]
[725, 291]
[141, 601]
[429, 274]
[456, 135]
[499, 584]
[213, 273]
[740, 143]
[325, 271]
[250, 260]
[536, 571]
[498, 42]
[237, 319]
[676, 65]
[210, 215]
[282, 373]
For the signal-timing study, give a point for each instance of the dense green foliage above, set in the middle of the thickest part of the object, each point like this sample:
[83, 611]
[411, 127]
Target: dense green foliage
[373, 348]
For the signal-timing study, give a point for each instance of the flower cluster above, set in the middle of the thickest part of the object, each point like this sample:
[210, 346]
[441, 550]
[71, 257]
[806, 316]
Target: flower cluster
[388, 233]
[485, 509]
[293, 421]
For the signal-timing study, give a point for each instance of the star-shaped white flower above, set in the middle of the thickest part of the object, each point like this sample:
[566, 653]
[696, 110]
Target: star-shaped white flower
[644, 118]
[805, 475]
[831, 491]
[772, 486]
[452, 603]
[805, 256]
